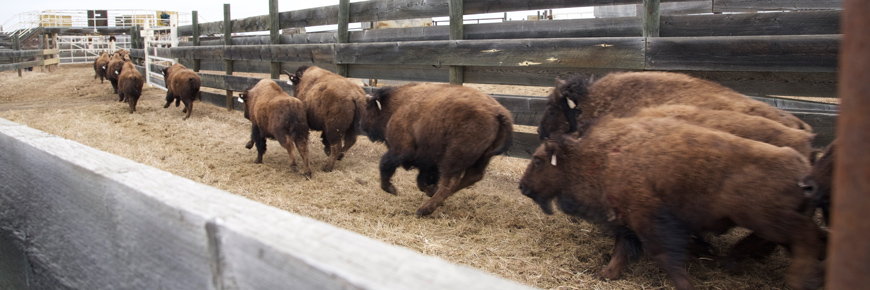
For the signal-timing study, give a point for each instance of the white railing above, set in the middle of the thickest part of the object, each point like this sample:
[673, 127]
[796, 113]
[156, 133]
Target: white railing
[85, 49]
[159, 37]
[82, 18]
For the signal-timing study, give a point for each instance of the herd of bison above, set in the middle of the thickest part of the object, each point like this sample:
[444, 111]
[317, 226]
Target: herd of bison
[656, 159]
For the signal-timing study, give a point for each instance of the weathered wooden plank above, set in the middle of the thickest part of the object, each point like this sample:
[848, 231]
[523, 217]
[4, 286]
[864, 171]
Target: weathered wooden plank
[196, 34]
[20, 65]
[651, 17]
[745, 24]
[87, 30]
[755, 5]
[274, 36]
[236, 83]
[624, 52]
[21, 53]
[808, 53]
[51, 61]
[416, 73]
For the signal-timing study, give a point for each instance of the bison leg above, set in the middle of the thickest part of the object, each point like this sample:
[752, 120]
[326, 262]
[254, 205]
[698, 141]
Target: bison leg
[288, 144]
[427, 180]
[447, 186]
[389, 163]
[474, 173]
[349, 141]
[626, 248]
[114, 85]
[250, 144]
[302, 147]
[188, 107]
[132, 102]
[335, 149]
[801, 235]
[260, 141]
[325, 142]
[169, 98]
[666, 239]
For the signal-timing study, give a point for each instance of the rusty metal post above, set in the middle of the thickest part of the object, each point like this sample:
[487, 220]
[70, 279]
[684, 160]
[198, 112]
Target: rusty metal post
[848, 250]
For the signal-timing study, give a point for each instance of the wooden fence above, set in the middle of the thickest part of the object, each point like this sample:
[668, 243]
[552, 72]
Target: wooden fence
[790, 50]
[17, 59]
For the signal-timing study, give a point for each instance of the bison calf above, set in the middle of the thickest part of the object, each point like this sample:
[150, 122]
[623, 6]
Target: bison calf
[332, 105]
[575, 103]
[658, 180]
[448, 132]
[182, 85]
[274, 114]
[130, 83]
[100, 66]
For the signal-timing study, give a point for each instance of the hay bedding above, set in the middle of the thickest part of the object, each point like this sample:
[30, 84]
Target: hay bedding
[489, 226]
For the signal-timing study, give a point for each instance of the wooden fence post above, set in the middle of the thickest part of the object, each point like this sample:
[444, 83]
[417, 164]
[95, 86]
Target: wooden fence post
[195, 23]
[274, 37]
[342, 35]
[848, 250]
[228, 40]
[16, 45]
[456, 33]
[651, 18]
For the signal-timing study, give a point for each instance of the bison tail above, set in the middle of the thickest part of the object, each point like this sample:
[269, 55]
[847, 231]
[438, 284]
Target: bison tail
[505, 132]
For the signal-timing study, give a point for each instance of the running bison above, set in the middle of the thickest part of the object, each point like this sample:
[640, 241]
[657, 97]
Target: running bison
[114, 67]
[275, 114]
[130, 83]
[575, 103]
[182, 85]
[655, 181]
[100, 66]
[448, 132]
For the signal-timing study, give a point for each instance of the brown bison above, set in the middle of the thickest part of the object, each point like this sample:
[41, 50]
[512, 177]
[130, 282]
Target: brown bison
[100, 66]
[448, 132]
[275, 114]
[130, 83]
[182, 85]
[742, 125]
[818, 184]
[332, 104]
[575, 103]
[654, 181]
[114, 67]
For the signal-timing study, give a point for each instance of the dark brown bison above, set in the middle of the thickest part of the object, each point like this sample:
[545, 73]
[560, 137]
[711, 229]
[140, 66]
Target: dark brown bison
[575, 103]
[655, 181]
[100, 66]
[130, 83]
[818, 184]
[275, 114]
[332, 104]
[113, 69]
[182, 85]
[448, 132]
[740, 124]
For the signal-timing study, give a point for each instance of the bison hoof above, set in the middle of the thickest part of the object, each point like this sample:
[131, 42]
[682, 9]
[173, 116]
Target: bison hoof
[424, 211]
[166, 106]
[340, 156]
[250, 144]
[327, 168]
[307, 175]
[607, 274]
[391, 189]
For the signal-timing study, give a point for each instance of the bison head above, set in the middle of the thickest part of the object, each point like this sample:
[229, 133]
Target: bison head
[376, 114]
[563, 107]
[544, 176]
[243, 98]
[817, 185]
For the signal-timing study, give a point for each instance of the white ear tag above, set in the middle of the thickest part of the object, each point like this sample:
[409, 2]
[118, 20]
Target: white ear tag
[571, 103]
[241, 101]
[117, 72]
[104, 67]
[379, 104]
[553, 160]
[289, 83]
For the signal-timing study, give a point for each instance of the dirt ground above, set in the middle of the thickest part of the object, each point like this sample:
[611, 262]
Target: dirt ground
[489, 226]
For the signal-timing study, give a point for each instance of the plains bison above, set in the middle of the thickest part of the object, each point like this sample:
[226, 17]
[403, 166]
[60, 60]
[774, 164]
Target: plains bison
[114, 68]
[448, 132]
[182, 85]
[100, 66]
[130, 83]
[332, 104]
[275, 114]
[575, 103]
[654, 181]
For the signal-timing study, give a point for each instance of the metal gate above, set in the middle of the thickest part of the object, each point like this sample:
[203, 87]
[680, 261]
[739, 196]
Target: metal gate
[159, 37]
[85, 49]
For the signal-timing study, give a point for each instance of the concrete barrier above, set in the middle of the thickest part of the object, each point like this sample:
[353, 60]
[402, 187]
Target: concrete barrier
[73, 217]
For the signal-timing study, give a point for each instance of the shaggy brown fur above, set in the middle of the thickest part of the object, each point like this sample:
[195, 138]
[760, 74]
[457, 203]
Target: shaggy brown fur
[182, 85]
[113, 69]
[449, 132]
[623, 94]
[656, 181]
[275, 114]
[100, 66]
[130, 85]
[818, 184]
[332, 104]
[742, 125]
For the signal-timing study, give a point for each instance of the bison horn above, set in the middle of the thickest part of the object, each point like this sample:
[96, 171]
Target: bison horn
[571, 103]
[379, 104]
[553, 160]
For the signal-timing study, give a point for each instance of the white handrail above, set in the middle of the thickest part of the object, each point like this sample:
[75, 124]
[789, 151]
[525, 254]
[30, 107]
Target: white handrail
[151, 39]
